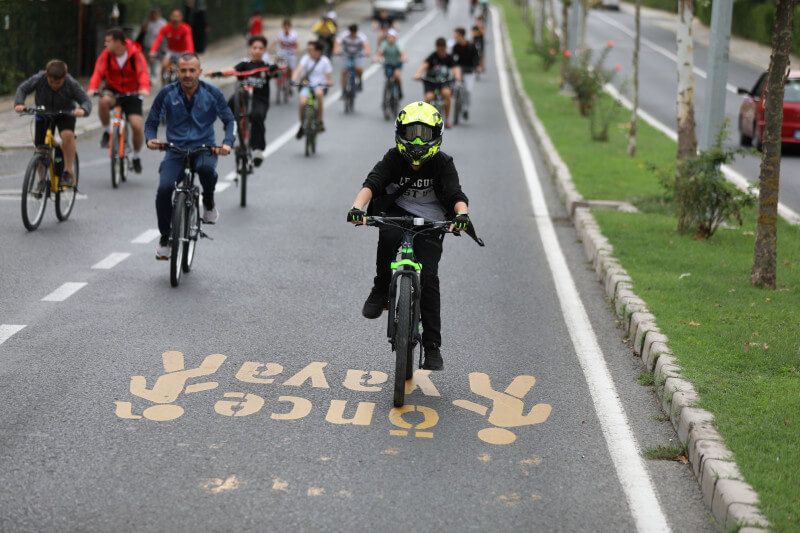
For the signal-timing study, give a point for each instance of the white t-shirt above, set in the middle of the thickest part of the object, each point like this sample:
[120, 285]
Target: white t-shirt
[122, 59]
[319, 74]
[287, 42]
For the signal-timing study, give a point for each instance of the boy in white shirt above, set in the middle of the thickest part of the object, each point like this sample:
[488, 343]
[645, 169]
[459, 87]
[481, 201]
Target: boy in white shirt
[318, 71]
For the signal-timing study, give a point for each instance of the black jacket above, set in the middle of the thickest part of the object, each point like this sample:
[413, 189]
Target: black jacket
[63, 99]
[439, 171]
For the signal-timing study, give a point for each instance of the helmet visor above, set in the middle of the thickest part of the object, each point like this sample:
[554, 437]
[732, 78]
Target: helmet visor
[423, 132]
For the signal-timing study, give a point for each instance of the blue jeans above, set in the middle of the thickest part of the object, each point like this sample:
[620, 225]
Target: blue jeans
[170, 171]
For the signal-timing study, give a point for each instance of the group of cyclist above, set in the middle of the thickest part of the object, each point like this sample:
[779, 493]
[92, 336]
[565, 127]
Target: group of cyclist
[415, 166]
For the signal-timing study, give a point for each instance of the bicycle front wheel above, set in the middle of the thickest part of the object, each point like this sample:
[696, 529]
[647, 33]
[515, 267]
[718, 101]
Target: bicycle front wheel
[65, 197]
[35, 188]
[243, 169]
[177, 236]
[192, 232]
[458, 105]
[116, 166]
[402, 339]
[310, 129]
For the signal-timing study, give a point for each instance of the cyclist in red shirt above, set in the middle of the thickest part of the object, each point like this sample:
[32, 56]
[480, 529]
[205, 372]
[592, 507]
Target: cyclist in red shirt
[124, 68]
[179, 39]
[256, 24]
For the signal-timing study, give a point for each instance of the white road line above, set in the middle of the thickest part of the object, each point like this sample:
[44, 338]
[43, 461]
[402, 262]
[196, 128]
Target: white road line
[8, 330]
[222, 186]
[622, 446]
[111, 261]
[147, 237]
[230, 176]
[656, 47]
[734, 176]
[64, 291]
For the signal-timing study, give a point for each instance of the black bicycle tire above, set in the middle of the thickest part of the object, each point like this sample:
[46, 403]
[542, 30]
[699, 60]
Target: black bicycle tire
[243, 181]
[62, 214]
[309, 128]
[29, 224]
[457, 108]
[124, 163]
[190, 245]
[177, 232]
[402, 339]
[115, 159]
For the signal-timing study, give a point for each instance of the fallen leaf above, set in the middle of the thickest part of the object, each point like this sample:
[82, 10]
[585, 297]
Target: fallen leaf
[693, 323]
[769, 299]
[746, 346]
[748, 233]
[732, 290]
[755, 333]
[766, 346]
[685, 275]
[787, 263]
[787, 421]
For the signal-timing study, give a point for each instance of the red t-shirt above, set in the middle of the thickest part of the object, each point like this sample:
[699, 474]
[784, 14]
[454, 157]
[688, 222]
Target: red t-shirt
[178, 39]
[256, 25]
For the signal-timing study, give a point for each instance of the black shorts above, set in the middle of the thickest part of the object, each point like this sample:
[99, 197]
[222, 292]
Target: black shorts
[63, 123]
[431, 87]
[131, 105]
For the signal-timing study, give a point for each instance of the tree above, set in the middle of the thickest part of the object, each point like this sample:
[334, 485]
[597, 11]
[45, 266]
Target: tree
[635, 108]
[687, 139]
[765, 253]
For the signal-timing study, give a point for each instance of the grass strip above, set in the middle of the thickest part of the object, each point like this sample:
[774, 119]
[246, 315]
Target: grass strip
[739, 345]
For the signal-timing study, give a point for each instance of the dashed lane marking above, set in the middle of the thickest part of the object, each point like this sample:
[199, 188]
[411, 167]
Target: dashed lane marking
[8, 330]
[621, 443]
[65, 291]
[147, 237]
[111, 261]
[222, 186]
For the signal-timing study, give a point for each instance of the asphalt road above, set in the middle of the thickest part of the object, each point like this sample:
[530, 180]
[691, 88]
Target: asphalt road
[119, 414]
[658, 85]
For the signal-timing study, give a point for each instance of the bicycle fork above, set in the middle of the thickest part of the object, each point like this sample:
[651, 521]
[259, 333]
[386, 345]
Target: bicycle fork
[406, 267]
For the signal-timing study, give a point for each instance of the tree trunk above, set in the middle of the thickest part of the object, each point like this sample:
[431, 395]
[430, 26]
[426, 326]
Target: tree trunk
[582, 32]
[687, 139]
[564, 40]
[765, 253]
[552, 14]
[635, 109]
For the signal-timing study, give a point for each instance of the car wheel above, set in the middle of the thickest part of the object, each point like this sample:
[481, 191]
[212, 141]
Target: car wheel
[744, 140]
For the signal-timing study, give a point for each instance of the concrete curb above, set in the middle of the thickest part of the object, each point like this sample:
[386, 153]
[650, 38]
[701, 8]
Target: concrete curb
[731, 500]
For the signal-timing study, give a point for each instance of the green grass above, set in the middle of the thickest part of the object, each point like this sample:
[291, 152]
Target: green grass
[646, 379]
[665, 453]
[739, 345]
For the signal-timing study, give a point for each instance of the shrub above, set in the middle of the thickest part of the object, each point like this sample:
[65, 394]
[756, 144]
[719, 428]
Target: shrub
[549, 50]
[586, 79]
[704, 198]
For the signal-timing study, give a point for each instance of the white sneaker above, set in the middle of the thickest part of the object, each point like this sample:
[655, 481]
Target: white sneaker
[210, 216]
[164, 250]
[258, 157]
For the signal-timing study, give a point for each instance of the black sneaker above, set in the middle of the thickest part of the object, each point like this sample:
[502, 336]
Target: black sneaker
[400, 93]
[104, 140]
[66, 179]
[466, 115]
[433, 359]
[137, 165]
[376, 302]
[320, 126]
[300, 133]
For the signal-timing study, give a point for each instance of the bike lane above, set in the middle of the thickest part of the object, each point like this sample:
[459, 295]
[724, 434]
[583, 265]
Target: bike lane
[255, 396]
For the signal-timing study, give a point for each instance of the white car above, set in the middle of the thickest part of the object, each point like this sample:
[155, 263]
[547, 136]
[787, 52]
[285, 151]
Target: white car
[396, 8]
[610, 4]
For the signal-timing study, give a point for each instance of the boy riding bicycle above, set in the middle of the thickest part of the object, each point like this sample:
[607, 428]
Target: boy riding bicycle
[257, 46]
[56, 90]
[287, 45]
[316, 69]
[124, 68]
[393, 58]
[437, 68]
[434, 195]
[352, 45]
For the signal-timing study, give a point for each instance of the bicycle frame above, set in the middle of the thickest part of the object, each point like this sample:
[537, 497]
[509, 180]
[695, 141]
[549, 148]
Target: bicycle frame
[119, 121]
[52, 144]
[406, 266]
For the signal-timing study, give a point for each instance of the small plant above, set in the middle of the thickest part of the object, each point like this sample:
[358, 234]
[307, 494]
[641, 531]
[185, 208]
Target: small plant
[646, 378]
[602, 112]
[587, 79]
[666, 453]
[548, 50]
[704, 198]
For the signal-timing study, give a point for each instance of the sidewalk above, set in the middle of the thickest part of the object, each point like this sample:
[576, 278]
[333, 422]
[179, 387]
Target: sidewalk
[16, 130]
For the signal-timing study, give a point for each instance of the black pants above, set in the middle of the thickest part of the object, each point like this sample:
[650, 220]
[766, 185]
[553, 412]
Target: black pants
[428, 251]
[258, 117]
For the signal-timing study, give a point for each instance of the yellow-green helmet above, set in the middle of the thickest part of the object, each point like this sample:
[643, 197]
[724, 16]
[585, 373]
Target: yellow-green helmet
[418, 132]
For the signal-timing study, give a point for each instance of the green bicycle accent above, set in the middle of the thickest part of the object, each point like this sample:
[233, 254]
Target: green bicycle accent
[406, 262]
[407, 251]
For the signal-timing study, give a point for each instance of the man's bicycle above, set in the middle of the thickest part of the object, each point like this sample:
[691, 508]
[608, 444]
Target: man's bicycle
[120, 145]
[438, 99]
[43, 174]
[243, 107]
[350, 85]
[405, 291]
[186, 220]
[170, 74]
[391, 94]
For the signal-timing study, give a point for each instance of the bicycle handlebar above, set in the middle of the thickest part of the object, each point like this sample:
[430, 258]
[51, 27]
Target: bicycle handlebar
[408, 222]
[305, 82]
[41, 111]
[104, 92]
[170, 147]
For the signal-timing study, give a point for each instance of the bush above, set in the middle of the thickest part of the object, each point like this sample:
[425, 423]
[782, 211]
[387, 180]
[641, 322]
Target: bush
[602, 112]
[587, 80]
[704, 198]
[549, 50]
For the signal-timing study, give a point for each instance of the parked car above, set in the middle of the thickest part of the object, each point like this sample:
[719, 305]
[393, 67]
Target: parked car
[751, 112]
[605, 4]
[396, 8]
